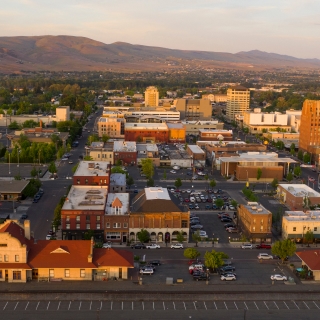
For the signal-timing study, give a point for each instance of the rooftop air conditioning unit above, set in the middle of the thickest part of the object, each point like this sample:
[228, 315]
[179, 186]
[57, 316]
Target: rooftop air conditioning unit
[253, 208]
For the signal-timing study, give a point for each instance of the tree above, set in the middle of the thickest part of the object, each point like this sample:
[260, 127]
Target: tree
[130, 181]
[283, 249]
[196, 237]
[306, 158]
[274, 183]
[300, 155]
[289, 176]
[234, 203]
[150, 182]
[52, 167]
[88, 235]
[180, 237]
[105, 138]
[213, 183]
[306, 203]
[214, 259]
[297, 171]
[259, 173]
[309, 237]
[219, 202]
[34, 172]
[143, 236]
[191, 253]
[14, 125]
[178, 183]
[147, 167]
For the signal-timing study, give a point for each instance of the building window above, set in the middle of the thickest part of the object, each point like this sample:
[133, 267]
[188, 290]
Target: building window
[98, 226]
[78, 218]
[78, 181]
[113, 235]
[86, 181]
[51, 273]
[0, 274]
[98, 218]
[0, 257]
[294, 228]
[184, 224]
[117, 225]
[107, 225]
[78, 226]
[67, 273]
[125, 224]
[16, 258]
[87, 218]
[253, 228]
[6, 258]
[68, 218]
[68, 226]
[315, 229]
[82, 273]
[261, 228]
[88, 226]
[16, 275]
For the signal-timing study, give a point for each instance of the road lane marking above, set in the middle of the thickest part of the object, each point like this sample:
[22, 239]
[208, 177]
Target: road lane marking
[205, 305]
[26, 306]
[164, 307]
[5, 305]
[111, 305]
[215, 305]
[142, 305]
[80, 305]
[121, 305]
[236, 305]
[16, 305]
[316, 305]
[225, 305]
[174, 306]
[101, 305]
[59, 305]
[266, 305]
[296, 304]
[306, 305]
[276, 305]
[48, 305]
[132, 305]
[255, 305]
[286, 305]
[69, 305]
[183, 304]
[246, 305]
[91, 305]
[153, 305]
[37, 305]
[195, 307]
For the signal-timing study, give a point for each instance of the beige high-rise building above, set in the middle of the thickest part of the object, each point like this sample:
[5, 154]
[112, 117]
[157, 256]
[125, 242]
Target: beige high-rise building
[113, 127]
[151, 97]
[62, 113]
[238, 101]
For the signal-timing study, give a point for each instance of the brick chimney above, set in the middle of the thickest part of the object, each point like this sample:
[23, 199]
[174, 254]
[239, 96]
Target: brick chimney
[90, 256]
[26, 226]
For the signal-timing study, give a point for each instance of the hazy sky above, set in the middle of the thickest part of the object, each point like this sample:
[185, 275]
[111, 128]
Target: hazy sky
[289, 27]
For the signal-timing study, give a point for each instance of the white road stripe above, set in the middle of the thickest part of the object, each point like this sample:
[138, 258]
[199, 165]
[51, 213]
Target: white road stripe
[236, 305]
[16, 305]
[316, 305]
[276, 305]
[37, 305]
[225, 305]
[26, 306]
[101, 305]
[195, 307]
[59, 305]
[306, 305]
[285, 304]
[153, 305]
[174, 306]
[183, 304]
[5, 305]
[296, 304]
[132, 305]
[122, 305]
[266, 305]
[255, 305]
[205, 305]
[142, 305]
[80, 305]
[111, 305]
[91, 305]
[48, 305]
[164, 307]
[215, 305]
[69, 305]
[246, 305]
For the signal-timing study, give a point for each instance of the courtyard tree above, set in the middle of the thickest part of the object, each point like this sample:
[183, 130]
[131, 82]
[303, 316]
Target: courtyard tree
[147, 167]
[306, 158]
[196, 237]
[214, 259]
[52, 167]
[289, 176]
[178, 183]
[309, 237]
[191, 253]
[219, 202]
[274, 183]
[143, 235]
[297, 171]
[180, 237]
[283, 249]
[105, 138]
[213, 183]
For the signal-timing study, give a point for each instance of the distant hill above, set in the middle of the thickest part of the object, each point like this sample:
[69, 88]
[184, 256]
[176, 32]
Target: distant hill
[68, 53]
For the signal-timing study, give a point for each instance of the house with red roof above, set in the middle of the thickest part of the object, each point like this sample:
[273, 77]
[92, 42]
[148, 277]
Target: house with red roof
[23, 258]
[311, 260]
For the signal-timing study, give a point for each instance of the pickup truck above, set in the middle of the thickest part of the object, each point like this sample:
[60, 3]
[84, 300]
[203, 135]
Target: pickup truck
[263, 246]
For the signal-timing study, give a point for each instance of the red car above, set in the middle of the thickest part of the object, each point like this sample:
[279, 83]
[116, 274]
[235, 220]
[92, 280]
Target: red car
[186, 200]
[263, 246]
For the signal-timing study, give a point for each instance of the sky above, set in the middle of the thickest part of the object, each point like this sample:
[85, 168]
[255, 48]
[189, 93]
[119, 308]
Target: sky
[290, 27]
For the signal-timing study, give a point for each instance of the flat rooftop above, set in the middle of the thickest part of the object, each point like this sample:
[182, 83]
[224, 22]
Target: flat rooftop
[311, 215]
[215, 131]
[157, 193]
[124, 146]
[112, 200]
[93, 168]
[86, 198]
[145, 126]
[256, 208]
[175, 125]
[195, 149]
[299, 190]
[117, 179]
[201, 122]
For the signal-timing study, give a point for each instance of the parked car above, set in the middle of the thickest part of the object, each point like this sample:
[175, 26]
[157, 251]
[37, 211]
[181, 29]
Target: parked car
[200, 275]
[278, 277]
[227, 269]
[155, 262]
[187, 200]
[24, 216]
[264, 256]
[135, 191]
[148, 271]
[263, 246]
[196, 227]
[177, 246]
[106, 245]
[226, 219]
[229, 225]
[196, 207]
[203, 233]
[153, 246]
[247, 246]
[228, 277]
[138, 246]
[172, 171]
[232, 230]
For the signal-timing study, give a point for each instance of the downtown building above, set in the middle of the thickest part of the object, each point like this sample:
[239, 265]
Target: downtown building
[238, 101]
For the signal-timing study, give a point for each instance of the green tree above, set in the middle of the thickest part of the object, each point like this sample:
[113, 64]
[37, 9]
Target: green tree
[143, 236]
[130, 181]
[14, 125]
[34, 172]
[309, 237]
[214, 259]
[105, 138]
[289, 176]
[191, 253]
[297, 171]
[213, 183]
[219, 202]
[300, 155]
[147, 167]
[118, 169]
[178, 183]
[93, 138]
[234, 203]
[150, 182]
[88, 235]
[306, 203]
[180, 237]
[274, 183]
[306, 158]
[283, 249]
[196, 237]
[52, 167]
[259, 173]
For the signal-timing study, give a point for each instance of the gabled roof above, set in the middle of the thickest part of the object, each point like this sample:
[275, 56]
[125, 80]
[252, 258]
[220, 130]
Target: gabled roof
[116, 203]
[311, 258]
[14, 186]
[112, 258]
[16, 231]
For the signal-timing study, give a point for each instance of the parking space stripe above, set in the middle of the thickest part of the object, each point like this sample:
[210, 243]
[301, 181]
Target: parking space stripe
[153, 305]
[164, 307]
[69, 305]
[246, 305]
[215, 305]
[26, 306]
[236, 305]
[5, 305]
[184, 306]
[205, 305]
[121, 305]
[316, 305]
[16, 305]
[174, 306]
[225, 305]
[80, 305]
[276, 305]
[91, 305]
[195, 307]
[142, 305]
[296, 304]
[37, 305]
[285, 304]
[48, 305]
[266, 305]
[59, 305]
[306, 305]
[101, 305]
[255, 305]
[111, 305]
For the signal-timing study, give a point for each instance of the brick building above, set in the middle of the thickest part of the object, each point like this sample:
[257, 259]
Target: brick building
[91, 173]
[197, 154]
[177, 132]
[125, 151]
[146, 132]
[215, 135]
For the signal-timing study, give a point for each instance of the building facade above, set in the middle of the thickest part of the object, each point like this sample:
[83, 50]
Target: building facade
[63, 113]
[238, 101]
[215, 135]
[151, 97]
[146, 132]
[193, 127]
[100, 151]
[177, 132]
[125, 152]
[194, 109]
[112, 127]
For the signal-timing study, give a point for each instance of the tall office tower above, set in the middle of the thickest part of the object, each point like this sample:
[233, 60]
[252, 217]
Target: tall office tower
[151, 97]
[238, 101]
[309, 139]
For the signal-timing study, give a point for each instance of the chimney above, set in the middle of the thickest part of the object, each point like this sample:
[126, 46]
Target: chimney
[26, 226]
[91, 250]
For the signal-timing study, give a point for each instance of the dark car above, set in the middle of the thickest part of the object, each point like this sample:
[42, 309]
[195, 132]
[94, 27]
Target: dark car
[229, 225]
[277, 257]
[200, 275]
[135, 191]
[208, 207]
[138, 246]
[191, 207]
[227, 269]
[226, 219]
[155, 262]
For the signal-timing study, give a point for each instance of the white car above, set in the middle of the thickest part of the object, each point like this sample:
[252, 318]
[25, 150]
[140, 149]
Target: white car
[264, 256]
[278, 277]
[106, 246]
[247, 246]
[202, 233]
[188, 191]
[153, 246]
[148, 271]
[87, 148]
[228, 277]
[177, 246]
[232, 207]
[49, 237]
[176, 167]
[192, 199]
[172, 171]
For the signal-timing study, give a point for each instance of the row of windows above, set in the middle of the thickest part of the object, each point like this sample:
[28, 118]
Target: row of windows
[88, 218]
[86, 181]
[88, 226]
[314, 229]
[6, 258]
[67, 273]
[117, 225]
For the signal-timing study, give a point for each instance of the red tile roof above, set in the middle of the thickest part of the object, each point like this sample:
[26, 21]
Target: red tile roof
[113, 258]
[16, 231]
[15, 266]
[311, 258]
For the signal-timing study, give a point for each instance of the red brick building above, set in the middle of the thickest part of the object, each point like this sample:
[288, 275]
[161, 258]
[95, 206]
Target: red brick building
[146, 132]
[125, 151]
